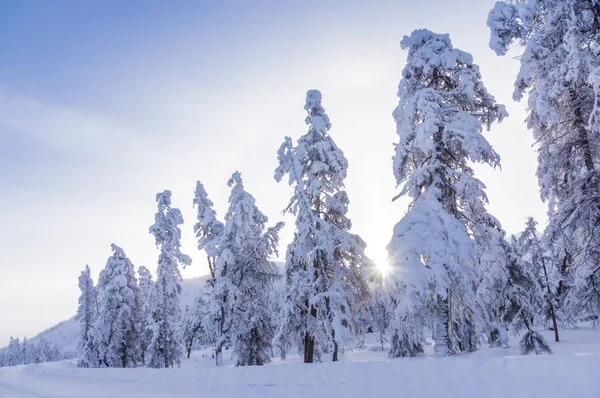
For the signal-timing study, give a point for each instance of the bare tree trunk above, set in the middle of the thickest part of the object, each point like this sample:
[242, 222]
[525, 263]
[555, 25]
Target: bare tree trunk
[552, 311]
[441, 335]
[309, 340]
[563, 270]
[554, 324]
[219, 354]
[309, 348]
[189, 347]
[335, 352]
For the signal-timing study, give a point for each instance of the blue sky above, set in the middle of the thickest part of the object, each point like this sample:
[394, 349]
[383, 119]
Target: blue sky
[105, 103]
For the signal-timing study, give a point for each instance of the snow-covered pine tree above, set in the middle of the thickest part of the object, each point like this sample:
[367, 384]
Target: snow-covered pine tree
[242, 274]
[208, 233]
[116, 329]
[13, 352]
[48, 351]
[26, 352]
[203, 317]
[560, 70]
[166, 349]
[534, 257]
[246, 246]
[86, 315]
[382, 310]
[325, 288]
[443, 109]
[277, 301]
[35, 353]
[193, 328]
[500, 270]
[208, 229]
[147, 304]
[522, 304]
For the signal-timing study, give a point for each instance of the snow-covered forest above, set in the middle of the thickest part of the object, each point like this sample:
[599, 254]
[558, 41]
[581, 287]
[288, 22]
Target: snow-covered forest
[456, 283]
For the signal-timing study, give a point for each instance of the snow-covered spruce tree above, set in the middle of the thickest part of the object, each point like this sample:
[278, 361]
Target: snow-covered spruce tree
[382, 310]
[501, 276]
[166, 345]
[534, 257]
[43, 351]
[325, 288]
[512, 298]
[208, 233]
[522, 304]
[49, 351]
[116, 330]
[193, 327]
[277, 299]
[203, 316]
[86, 315]
[13, 352]
[242, 275]
[560, 70]
[35, 353]
[147, 304]
[246, 246]
[26, 351]
[443, 109]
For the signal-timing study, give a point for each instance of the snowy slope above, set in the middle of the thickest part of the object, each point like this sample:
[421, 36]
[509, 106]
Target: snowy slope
[491, 373]
[66, 333]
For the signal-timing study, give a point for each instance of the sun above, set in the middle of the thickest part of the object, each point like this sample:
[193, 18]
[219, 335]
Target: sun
[381, 262]
[383, 266]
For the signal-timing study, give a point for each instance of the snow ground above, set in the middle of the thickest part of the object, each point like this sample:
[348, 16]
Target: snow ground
[573, 371]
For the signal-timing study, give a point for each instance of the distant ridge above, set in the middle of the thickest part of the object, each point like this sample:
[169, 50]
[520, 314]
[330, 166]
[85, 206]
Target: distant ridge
[66, 333]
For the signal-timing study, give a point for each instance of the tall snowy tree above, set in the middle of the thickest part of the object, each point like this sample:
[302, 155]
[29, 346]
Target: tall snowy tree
[325, 288]
[116, 329]
[86, 315]
[443, 110]
[208, 232]
[166, 345]
[560, 70]
[246, 246]
[147, 304]
[242, 274]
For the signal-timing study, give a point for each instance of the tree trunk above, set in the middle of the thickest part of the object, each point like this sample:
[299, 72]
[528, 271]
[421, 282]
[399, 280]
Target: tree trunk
[563, 270]
[554, 324]
[309, 348]
[335, 351]
[441, 333]
[552, 312]
[219, 355]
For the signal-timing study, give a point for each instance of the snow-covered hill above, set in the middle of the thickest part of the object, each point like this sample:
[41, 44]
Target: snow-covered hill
[492, 373]
[66, 333]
